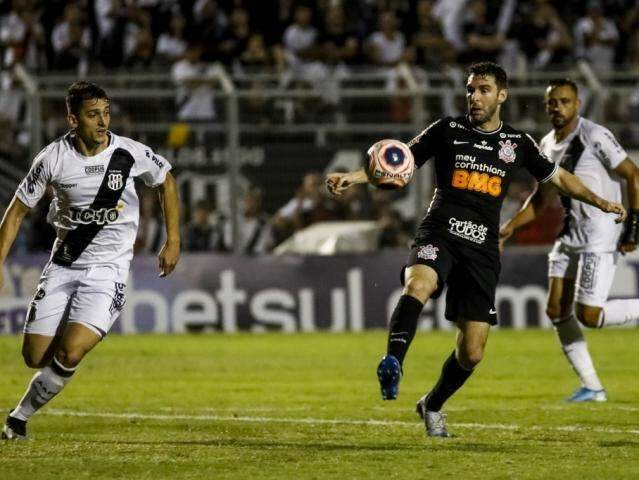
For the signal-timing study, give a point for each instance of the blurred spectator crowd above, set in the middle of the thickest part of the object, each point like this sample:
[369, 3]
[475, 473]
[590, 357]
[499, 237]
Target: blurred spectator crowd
[94, 35]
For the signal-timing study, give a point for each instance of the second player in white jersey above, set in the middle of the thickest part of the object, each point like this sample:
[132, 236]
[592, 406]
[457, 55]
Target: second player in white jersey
[95, 211]
[592, 153]
[582, 263]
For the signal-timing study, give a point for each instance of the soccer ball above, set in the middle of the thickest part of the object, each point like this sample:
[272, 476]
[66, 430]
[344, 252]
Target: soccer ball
[390, 164]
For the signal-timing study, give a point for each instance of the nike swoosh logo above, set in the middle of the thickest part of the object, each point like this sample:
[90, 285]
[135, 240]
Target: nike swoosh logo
[492, 311]
[457, 142]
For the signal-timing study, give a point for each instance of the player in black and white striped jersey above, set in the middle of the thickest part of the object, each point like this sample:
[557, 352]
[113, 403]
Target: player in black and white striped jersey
[95, 213]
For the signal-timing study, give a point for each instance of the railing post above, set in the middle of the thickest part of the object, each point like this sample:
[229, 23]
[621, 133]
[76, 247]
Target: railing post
[233, 144]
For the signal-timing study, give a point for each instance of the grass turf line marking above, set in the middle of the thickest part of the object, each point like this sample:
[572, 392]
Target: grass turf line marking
[334, 421]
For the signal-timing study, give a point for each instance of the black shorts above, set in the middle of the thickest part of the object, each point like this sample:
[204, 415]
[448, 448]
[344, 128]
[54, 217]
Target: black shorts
[470, 273]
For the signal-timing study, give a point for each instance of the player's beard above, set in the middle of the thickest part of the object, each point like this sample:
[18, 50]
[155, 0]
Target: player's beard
[487, 115]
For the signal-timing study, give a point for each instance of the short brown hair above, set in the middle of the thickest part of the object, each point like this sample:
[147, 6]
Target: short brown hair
[80, 91]
[482, 69]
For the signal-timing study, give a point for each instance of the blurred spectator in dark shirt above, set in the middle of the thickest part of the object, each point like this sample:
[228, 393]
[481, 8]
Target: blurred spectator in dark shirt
[432, 50]
[543, 36]
[254, 227]
[339, 42]
[484, 41]
[22, 37]
[234, 41]
[201, 234]
[71, 41]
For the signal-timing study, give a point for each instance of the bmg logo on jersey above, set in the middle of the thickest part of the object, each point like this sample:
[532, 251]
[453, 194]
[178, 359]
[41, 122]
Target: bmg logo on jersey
[89, 215]
[468, 230]
[476, 181]
[114, 182]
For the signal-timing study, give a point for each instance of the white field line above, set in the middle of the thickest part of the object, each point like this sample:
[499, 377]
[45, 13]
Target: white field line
[334, 421]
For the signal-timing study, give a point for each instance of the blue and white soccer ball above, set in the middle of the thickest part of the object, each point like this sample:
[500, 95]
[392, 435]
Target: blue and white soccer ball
[390, 164]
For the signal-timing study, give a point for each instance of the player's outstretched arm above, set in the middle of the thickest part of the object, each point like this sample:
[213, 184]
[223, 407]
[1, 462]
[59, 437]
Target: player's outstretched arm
[170, 252]
[630, 237]
[9, 230]
[338, 182]
[534, 204]
[570, 185]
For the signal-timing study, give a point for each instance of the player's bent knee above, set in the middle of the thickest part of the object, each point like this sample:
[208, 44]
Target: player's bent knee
[469, 359]
[69, 357]
[588, 316]
[554, 311]
[33, 360]
[419, 287]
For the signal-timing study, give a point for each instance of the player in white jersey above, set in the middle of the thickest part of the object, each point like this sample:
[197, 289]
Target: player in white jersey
[582, 262]
[95, 213]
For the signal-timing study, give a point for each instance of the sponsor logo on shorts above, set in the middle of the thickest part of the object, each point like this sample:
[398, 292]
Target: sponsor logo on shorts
[427, 252]
[468, 230]
[94, 169]
[66, 186]
[492, 311]
[589, 271]
[118, 298]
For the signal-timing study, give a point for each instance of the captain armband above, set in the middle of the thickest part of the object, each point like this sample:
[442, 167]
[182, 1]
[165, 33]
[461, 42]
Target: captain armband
[631, 228]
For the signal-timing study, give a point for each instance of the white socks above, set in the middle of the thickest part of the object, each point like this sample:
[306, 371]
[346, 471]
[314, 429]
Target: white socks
[619, 312]
[45, 385]
[576, 350]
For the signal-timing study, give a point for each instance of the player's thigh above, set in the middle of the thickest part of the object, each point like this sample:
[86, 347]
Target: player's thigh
[421, 282]
[561, 293]
[37, 350]
[428, 265]
[47, 314]
[98, 300]
[472, 286]
[595, 275]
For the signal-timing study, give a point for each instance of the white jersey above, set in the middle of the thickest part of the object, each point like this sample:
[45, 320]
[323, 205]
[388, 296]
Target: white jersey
[592, 153]
[95, 210]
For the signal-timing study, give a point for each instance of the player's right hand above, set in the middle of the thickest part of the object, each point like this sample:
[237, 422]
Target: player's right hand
[505, 232]
[336, 183]
[614, 207]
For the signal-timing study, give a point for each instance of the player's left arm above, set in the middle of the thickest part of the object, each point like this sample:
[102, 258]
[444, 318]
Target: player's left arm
[170, 252]
[630, 237]
[572, 186]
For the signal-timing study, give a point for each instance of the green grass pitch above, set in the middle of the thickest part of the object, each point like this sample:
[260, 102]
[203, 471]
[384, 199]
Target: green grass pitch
[308, 407]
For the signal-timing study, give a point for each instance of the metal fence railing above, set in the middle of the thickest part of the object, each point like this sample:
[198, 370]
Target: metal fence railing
[274, 127]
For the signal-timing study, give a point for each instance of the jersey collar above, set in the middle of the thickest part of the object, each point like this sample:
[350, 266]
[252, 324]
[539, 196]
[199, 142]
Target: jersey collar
[470, 124]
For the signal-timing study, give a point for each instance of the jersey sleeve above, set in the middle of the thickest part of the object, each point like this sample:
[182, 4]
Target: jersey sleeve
[150, 167]
[606, 148]
[425, 145]
[33, 186]
[536, 161]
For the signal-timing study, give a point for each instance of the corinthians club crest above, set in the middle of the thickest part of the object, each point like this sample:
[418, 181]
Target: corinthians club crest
[114, 181]
[507, 151]
[427, 252]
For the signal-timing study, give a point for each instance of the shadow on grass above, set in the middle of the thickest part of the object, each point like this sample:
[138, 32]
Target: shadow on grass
[620, 443]
[427, 444]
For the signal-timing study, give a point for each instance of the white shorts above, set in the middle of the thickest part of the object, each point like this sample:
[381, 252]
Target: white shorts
[593, 272]
[92, 296]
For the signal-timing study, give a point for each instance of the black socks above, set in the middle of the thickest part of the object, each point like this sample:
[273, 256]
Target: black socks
[453, 376]
[403, 326]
